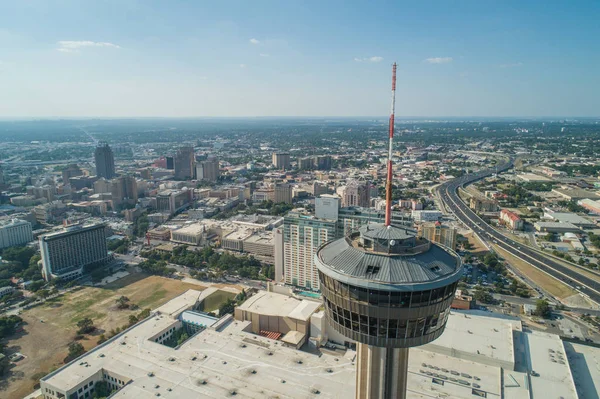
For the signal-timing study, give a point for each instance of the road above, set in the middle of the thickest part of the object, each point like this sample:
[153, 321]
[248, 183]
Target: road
[448, 194]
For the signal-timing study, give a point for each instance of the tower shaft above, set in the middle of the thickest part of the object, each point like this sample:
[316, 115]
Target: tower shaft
[381, 373]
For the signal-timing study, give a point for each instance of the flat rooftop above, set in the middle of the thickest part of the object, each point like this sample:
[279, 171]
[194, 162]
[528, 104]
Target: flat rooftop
[273, 304]
[194, 228]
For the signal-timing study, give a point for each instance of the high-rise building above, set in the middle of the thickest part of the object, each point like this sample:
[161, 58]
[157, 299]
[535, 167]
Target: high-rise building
[105, 161]
[208, 169]
[71, 170]
[355, 193]
[389, 291]
[124, 191]
[15, 232]
[170, 163]
[303, 234]
[73, 251]
[323, 162]
[436, 232]
[283, 193]
[281, 160]
[306, 163]
[327, 207]
[184, 163]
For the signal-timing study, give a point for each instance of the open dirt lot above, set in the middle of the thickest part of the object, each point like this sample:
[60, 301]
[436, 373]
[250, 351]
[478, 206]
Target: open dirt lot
[50, 328]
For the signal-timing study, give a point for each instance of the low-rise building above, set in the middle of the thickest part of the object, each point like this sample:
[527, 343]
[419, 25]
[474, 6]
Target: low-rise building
[192, 234]
[426, 216]
[260, 244]
[556, 227]
[511, 219]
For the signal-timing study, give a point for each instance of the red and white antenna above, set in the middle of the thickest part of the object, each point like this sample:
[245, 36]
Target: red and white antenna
[388, 183]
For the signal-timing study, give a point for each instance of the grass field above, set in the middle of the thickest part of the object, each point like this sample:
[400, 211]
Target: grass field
[550, 284]
[51, 327]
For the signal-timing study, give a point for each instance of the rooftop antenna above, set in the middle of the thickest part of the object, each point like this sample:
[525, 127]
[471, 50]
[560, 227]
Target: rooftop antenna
[388, 183]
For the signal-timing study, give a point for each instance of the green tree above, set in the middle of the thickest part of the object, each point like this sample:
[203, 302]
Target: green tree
[122, 302]
[86, 326]
[75, 350]
[542, 308]
[132, 319]
[227, 307]
[101, 390]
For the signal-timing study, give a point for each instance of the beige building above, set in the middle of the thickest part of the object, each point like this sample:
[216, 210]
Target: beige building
[281, 160]
[193, 234]
[439, 233]
[355, 193]
[270, 312]
[260, 244]
[283, 193]
[483, 205]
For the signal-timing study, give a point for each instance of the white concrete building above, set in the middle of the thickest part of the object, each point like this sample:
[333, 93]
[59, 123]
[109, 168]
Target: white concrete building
[15, 232]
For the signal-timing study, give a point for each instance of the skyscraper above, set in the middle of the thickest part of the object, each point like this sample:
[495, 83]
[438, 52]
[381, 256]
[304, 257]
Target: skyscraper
[208, 169]
[124, 191]
[436, 232]
[184, 163]
[283, 193]
[105, 161]
[355, 193]
[281, 160]
[71, 252]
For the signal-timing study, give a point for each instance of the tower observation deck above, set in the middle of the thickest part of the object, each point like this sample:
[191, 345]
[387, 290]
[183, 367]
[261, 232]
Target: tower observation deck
[389, 291]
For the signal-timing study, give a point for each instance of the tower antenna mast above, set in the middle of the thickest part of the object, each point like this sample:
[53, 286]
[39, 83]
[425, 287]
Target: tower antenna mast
[388, 183]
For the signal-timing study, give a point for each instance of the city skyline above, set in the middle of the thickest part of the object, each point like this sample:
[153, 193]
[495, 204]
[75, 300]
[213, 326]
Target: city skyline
[272, 59]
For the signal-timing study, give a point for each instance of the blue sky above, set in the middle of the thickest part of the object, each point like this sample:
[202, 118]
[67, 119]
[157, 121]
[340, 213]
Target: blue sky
[298, 58]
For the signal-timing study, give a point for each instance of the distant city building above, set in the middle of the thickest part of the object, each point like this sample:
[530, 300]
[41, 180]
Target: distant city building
[436, 232]
[105, 161]
[355, 193]
[306, 163]
[173, 201]
[327, 207]
[323, 162]
[124, 191]
[15, 232]
[102, 185]
[556, 227]
[74, 251]
[283, 193]
[184, 163]
[320, 189]
[169, 163]
[71, 170]
[511, 219]
[590, 205]
[483, 205]
[426, 216]
[208, 170]
[281, 160]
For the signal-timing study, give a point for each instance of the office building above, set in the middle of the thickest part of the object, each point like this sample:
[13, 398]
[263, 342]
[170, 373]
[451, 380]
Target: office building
[15, 232]
[73, 251]
[283, 193]
[355, 193]
[105, 161]
[483, 205]
[170, 163]
[323, 162]
[327, 207]
[208, 170]
[439, 233]
[173, 201]
[184, 163]
[306, 163]
[71, 170]
[281, 160]
[426, 216]
[388, 290]
[124, 191]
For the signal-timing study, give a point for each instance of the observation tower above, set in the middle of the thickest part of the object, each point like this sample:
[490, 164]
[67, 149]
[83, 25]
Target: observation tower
[388, 290]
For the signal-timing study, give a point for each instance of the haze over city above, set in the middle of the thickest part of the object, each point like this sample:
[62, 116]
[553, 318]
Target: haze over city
[300, 200]
[310, 58]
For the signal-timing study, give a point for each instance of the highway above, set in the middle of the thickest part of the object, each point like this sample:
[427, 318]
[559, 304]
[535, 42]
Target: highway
[448, 194]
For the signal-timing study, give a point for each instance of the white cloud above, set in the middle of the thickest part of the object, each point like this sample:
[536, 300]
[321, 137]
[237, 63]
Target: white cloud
[264, 55]
[254, 41]
[242, 65]
[513, 65]
[439, 60]
[69, 46]
[369, 59]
